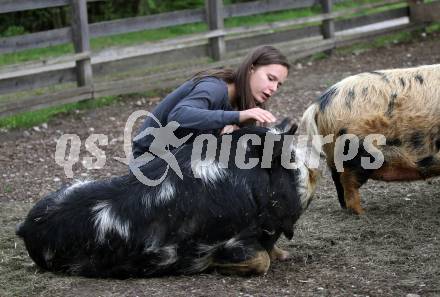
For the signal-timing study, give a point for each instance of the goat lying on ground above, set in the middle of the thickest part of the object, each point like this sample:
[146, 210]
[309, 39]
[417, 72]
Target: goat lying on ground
[403, 105]
[228, 220]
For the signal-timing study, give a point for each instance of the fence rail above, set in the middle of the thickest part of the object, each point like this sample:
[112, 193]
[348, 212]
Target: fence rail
[135, 24]
[84, 66]
[22, 5]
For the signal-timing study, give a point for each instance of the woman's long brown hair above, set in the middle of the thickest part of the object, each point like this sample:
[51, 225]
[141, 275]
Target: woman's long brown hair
[261, 56]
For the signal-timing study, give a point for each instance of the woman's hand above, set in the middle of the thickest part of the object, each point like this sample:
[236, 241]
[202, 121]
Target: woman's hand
[229, 129]
[257, 114]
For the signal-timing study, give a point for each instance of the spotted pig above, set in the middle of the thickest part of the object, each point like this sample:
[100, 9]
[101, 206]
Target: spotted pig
[403, 105]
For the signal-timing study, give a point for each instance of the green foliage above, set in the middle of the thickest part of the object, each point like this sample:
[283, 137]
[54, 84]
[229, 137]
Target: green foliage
[12, 31]
[170, 5]
[34, 20]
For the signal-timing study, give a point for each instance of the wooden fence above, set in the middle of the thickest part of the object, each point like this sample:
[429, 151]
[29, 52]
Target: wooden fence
[323, 33]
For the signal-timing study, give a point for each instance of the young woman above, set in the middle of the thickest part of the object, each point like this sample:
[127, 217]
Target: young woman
[220, 100]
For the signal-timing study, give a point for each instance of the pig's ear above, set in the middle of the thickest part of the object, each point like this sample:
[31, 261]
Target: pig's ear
[283, 125]
[278, 146]
[292, 130]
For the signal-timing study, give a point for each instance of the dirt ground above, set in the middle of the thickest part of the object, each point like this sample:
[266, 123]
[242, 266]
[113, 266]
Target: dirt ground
[393, 250]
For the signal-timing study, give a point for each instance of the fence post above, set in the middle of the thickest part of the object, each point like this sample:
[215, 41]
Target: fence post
[415, 11]
[81, 43]
[214, 18]
[328, 26]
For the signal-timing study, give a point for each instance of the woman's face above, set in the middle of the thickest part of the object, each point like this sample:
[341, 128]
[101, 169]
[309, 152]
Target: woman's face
[265, 80]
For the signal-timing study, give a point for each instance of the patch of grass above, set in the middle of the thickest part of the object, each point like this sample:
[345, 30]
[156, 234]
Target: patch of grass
[13, 31]
[271, 17]
[432, 28]
[372, 11]
[387, 40]
[7, 189]
[378, 42]
[350, 4]
[35, 54]
[298, 13]
[19, 95]
[147, 35]
[319, 56]
[32, 118]
[382, 41]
